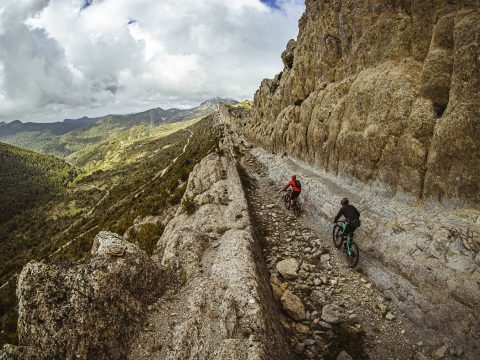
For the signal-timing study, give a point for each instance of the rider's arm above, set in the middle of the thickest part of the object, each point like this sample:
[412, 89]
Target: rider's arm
[340, 213]
[286, 186]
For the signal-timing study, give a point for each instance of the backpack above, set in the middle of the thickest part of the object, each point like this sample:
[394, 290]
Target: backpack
[298, 184]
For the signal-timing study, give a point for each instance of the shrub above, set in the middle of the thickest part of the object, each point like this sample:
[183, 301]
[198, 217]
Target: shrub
[189, 205]
[148, 235]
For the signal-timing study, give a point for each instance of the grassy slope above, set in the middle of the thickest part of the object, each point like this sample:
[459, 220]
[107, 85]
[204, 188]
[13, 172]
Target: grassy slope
[28, 178]
[111, 195]
[124, 147]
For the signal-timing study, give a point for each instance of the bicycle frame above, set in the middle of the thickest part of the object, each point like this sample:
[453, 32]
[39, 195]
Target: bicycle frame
[293, 201]
[344, 227]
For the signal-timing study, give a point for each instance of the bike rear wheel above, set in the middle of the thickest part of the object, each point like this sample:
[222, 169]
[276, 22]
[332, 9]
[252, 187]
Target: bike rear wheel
[296, 208]
[286, 198]
[337, 236]
[354, 255]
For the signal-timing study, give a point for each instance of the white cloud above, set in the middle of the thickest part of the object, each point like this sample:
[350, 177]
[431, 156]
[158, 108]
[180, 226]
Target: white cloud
[58, 60]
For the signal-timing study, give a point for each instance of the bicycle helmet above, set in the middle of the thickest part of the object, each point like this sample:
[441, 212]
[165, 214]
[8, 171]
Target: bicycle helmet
[344, 201]
[294, 177]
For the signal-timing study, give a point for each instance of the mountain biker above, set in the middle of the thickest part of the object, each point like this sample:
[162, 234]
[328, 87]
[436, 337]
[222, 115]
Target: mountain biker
[296, 187]
[351, 214]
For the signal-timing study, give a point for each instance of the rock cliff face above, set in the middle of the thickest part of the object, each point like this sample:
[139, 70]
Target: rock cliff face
[88, 311]
[386, 92]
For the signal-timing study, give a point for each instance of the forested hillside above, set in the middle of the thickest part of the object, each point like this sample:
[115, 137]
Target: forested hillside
[28, 178]
[129, 188]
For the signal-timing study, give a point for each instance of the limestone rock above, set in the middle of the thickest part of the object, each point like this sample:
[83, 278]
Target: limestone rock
[344, 356]
[89, 310]
[278, 287]
[318, 298]
[299, 348]
[398, 109]
[390, 316]
[106, 243]
[288, 54]
[288, 268]
[420, 356]
[225, 296]
[302, 329]
[333, 314]
[293, 305]
[440, 352]
[384, 98]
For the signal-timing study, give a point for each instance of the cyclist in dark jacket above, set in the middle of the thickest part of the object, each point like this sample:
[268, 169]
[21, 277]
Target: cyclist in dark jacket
[296, 187]
[351, 214]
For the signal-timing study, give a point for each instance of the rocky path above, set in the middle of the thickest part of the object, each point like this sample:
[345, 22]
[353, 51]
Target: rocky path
[328, 307]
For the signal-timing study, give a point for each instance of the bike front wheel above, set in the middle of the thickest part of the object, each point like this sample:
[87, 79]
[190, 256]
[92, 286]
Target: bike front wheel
[354, 255]
[286, 198]
[337, 236]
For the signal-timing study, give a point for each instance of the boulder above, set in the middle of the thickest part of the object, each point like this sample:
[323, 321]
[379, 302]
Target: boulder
[89, 310]
[293, 305]
[288, 268]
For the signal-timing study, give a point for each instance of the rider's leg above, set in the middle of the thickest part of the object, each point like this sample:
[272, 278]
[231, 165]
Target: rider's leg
[295, 197]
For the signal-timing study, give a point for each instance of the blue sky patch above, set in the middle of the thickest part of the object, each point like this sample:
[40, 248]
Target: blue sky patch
[85, 4]
[272, 3]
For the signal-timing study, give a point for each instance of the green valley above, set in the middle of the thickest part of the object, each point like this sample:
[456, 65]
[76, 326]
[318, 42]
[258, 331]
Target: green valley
[127, 184]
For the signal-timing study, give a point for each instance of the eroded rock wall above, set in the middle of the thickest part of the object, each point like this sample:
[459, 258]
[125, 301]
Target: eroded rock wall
[386, 92]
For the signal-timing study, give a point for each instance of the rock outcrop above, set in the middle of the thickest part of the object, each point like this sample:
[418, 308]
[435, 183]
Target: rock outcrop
[384, 92]
[86, 311]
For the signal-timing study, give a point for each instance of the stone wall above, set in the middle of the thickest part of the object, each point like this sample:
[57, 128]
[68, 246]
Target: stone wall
[386, 92]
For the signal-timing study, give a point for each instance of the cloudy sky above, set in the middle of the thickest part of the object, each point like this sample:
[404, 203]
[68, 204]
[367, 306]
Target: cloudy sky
[70, 58]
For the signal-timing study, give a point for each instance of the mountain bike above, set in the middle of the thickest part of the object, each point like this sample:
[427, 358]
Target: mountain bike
[292, 203]
[346, 243]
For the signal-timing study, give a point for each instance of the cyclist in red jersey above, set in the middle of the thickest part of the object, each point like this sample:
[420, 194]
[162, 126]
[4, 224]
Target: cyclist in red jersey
[296, 187]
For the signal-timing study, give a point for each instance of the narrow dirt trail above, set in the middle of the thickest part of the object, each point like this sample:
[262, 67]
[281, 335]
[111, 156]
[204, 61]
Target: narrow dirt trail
[359, 320]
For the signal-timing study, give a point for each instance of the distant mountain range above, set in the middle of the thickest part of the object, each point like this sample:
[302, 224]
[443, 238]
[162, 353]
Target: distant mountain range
[65, 137]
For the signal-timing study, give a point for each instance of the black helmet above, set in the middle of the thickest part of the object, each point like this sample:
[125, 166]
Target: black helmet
[344, 201]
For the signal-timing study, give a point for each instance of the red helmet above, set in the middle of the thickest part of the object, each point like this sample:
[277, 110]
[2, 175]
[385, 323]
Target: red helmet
[294, 177]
